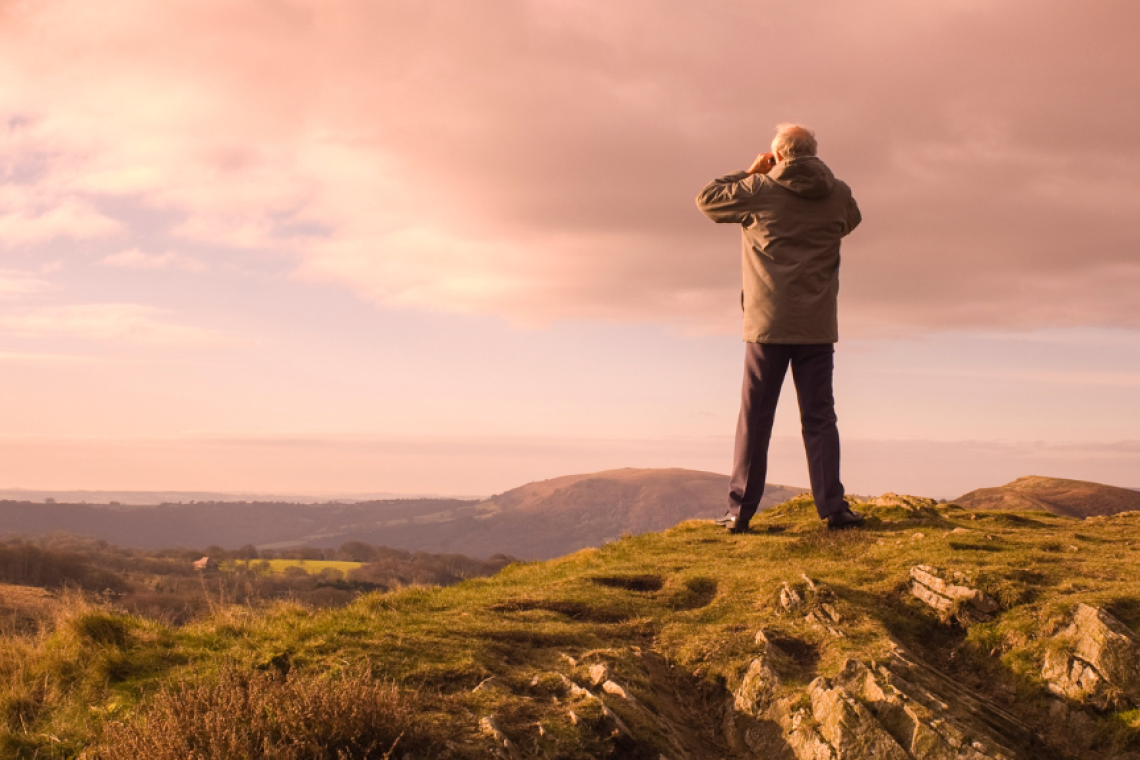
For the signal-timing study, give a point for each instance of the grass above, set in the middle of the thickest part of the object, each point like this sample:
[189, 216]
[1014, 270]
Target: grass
[102, 683]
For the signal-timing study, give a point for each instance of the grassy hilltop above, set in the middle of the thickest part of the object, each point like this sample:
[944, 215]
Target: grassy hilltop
[935, 632]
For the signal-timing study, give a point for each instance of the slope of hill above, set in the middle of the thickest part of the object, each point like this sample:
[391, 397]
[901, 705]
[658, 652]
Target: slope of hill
[535, 521]
[553, 517]
[1075, 498]
[935, 632]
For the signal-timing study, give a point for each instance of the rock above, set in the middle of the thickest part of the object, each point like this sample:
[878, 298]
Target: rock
[812, 599]
[968, 605]
[848, 726]
[755, 692]
[599, 673]
[909, 503]
[820, 621]
[1096, 660]
[506, 748]
[930, 715]
[790, 599]
[616, 689]
[583, 695]
[893, 710]
[494, 683]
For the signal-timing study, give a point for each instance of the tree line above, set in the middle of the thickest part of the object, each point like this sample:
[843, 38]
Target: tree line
[165, 585]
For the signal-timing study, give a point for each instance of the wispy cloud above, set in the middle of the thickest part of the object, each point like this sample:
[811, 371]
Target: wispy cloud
[131, 323]
[538, 159]
[42, 359]
[137, 259]
[16, 284]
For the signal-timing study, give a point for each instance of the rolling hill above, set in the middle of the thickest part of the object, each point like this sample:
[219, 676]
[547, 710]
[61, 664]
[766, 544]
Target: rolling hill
[535, 521]
[1074, 498]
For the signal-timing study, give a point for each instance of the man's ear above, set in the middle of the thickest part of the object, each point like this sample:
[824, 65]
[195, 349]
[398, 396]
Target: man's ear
[779, 156]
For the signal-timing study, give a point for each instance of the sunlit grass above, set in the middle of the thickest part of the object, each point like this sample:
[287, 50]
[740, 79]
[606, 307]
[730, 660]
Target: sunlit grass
[693, 594]
[279, 566]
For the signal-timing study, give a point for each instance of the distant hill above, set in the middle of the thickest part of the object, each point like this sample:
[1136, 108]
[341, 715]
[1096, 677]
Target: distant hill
[553, 517]
[151, 498]
[536, 521]
[1074, 498]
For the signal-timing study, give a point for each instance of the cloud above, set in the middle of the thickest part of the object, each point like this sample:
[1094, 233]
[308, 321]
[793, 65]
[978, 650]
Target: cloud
[538, 158]
[130, 323]
[16, 284]
[136, 259]
[42, 359]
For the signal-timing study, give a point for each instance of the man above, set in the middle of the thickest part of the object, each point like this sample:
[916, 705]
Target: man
[793, 212]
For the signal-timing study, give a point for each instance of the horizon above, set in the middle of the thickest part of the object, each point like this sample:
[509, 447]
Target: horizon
[377, 248]
[145, 498]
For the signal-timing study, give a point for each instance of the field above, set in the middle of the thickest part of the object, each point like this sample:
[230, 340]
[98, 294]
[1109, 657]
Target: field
[310, 566]
[669, 621]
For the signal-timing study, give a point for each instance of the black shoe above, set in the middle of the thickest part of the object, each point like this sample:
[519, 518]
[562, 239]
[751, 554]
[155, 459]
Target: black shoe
[844, 519]
[732, 523]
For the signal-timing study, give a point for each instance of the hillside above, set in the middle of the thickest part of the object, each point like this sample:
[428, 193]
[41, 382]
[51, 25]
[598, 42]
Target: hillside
[1075, 498]
[535, 521]
[554, 517]
[936, 632]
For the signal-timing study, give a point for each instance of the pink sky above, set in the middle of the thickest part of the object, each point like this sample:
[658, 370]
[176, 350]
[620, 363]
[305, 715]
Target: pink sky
[450, 248]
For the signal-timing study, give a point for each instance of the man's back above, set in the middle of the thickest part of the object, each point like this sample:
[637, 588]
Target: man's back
[793, 219]
[793, 213]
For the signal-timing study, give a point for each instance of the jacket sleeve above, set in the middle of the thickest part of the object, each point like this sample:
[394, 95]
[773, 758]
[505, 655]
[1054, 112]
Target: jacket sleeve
[728, 199]
[853, 216]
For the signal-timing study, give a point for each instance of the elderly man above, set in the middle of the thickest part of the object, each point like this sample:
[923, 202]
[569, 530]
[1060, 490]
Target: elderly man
[793, 213]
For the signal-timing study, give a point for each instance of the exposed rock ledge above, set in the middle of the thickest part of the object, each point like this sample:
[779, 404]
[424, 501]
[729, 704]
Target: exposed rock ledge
[950, 599]
[1096, 660]
[893, 710]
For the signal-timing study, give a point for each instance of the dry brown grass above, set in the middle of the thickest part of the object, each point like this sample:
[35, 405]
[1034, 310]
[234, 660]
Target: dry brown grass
[242, 715]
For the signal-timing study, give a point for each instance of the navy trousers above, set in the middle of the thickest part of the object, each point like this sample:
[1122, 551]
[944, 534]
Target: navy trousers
[765, 365]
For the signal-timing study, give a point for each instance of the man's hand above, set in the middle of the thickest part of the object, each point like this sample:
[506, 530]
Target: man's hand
[763, 164]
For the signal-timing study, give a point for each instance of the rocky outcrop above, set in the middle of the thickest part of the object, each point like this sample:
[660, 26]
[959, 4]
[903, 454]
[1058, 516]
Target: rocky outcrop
[951, 598]
[914, 504]
[813, 600]
[931, 715]
[1095, 660]
[897, 709]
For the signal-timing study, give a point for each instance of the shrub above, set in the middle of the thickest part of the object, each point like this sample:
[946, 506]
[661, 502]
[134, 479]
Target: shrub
[264, 715]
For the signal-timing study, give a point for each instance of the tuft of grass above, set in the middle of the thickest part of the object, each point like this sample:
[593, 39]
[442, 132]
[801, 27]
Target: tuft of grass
[240, 715]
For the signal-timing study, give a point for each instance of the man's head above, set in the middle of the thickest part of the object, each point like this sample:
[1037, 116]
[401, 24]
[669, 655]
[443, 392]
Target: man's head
[793, 141]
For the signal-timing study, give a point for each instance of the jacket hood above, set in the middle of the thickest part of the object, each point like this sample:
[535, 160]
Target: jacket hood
[805, 176]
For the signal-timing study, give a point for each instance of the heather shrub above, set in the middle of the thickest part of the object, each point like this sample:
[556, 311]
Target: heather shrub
[245, 714]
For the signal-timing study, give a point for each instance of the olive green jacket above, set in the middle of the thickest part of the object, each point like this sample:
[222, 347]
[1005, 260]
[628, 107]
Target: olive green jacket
[793, 219]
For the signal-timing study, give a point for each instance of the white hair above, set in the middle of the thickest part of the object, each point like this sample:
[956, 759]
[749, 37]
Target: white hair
[793, 140]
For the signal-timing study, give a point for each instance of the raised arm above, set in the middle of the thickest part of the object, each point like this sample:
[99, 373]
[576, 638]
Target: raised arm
[728, 199]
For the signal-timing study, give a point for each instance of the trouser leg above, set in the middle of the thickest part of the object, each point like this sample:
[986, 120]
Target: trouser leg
[764, 368]
[812, 369]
